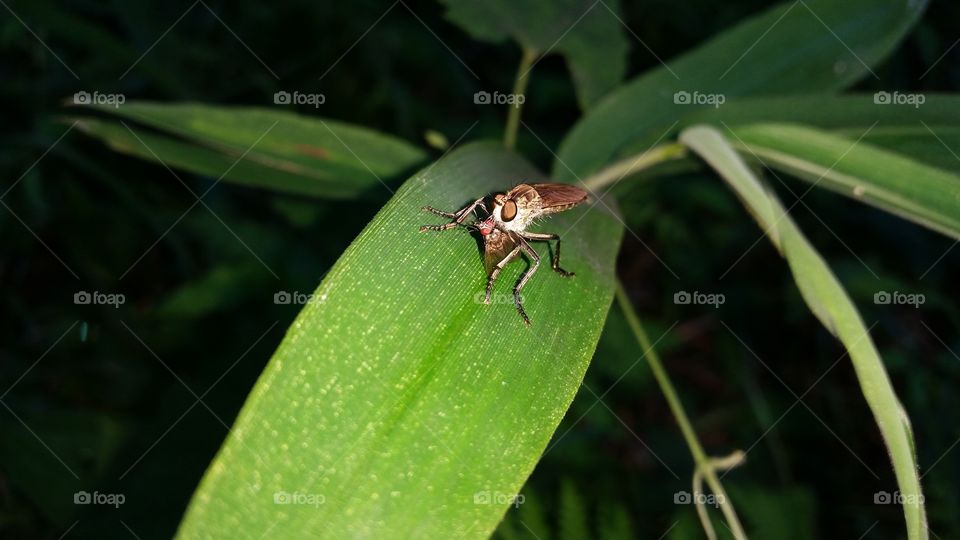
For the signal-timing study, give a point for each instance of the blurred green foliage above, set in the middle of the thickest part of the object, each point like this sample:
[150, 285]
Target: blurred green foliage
[97, 398]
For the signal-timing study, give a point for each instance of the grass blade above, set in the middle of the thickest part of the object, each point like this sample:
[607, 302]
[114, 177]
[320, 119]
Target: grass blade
[828, 300]
[184, 155]
[927, 133]
[900, 185]
[308, 155]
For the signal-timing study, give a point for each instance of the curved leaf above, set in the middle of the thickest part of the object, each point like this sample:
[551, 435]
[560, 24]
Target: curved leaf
[280, 149]
[893, 182]
[899, 128]
[793, 48]
[829, 302]
[397, 403]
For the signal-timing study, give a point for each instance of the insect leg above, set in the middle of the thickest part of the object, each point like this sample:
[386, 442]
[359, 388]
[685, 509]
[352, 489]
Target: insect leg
[496, 272]
[433, 210]
[457, 216]
[546, 237]
[532, 253]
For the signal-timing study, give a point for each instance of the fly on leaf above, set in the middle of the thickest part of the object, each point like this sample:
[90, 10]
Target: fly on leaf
[504, 229]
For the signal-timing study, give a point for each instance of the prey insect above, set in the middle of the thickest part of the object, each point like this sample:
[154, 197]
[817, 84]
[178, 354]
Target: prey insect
[504, 229]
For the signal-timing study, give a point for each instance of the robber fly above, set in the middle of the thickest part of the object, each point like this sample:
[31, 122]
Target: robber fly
[504, 230]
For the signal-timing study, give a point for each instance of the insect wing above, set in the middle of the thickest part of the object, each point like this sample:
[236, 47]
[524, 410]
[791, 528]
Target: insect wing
[558, 197]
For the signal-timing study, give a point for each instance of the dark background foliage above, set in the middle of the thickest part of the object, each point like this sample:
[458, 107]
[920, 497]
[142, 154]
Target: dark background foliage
[107, 399]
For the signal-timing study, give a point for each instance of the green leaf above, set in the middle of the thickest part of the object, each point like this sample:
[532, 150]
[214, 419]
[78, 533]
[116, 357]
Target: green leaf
[219, 289]
[526, 521]
[841, 112]
[895, 183]
[827, 300]
[793, 48]
[572, 518]
[613, 522]
[85, 444]
[589, 34]
[397, 402]
[785, 514]
[927, 133]
[280, 150]
[184, 155]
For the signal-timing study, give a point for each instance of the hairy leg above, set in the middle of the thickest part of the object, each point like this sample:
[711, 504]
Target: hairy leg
[546, 237]
[457, 216]
[532, 253]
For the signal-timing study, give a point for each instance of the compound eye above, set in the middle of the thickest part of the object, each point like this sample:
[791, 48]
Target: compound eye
[509, 211]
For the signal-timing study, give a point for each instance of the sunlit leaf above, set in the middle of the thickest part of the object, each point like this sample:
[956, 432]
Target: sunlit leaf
[398, 405]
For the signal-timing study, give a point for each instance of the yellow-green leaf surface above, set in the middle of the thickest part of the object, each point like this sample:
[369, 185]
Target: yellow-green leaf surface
[280, 149]
[814, 46]
[893, 182]
[829, 302]
[398, 405]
